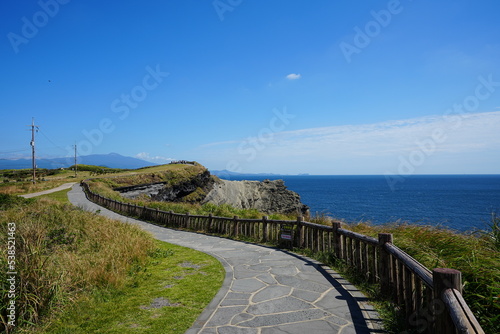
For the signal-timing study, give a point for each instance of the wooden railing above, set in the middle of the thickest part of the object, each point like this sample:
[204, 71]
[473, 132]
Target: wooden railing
[431, 301]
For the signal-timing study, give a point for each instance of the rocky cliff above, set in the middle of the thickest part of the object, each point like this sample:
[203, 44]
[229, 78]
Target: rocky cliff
[267, 196]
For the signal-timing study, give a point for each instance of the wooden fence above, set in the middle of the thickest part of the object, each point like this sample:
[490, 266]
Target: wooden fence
[431, 301]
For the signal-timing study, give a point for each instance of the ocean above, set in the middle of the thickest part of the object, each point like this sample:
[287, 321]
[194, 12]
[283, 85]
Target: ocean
[460, 202]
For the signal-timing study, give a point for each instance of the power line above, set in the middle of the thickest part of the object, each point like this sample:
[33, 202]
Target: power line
[51, 141]
[14, 151]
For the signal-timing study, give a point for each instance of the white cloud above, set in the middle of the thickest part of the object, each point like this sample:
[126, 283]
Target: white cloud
[155, 159]
[293, 76]
[369, 148]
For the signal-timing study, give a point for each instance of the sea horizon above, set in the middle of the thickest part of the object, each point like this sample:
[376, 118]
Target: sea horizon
[463, 202]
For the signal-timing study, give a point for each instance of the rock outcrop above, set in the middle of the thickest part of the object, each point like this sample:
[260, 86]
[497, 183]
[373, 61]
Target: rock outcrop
[266, 196]
[176, 192]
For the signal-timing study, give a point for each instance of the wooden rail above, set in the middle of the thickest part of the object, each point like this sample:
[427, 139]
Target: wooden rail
[431, 301]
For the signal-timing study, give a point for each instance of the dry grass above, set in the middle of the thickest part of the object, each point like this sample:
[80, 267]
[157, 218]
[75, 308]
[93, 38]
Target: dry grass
[62, 251]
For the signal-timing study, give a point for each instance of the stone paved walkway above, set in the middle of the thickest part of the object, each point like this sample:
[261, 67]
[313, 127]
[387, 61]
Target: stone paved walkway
[266, 290]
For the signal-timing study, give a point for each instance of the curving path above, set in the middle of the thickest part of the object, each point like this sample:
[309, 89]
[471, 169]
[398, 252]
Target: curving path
[266, 290]
[53, 190]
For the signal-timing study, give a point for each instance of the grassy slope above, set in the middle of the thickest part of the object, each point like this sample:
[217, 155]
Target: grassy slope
[65, 255]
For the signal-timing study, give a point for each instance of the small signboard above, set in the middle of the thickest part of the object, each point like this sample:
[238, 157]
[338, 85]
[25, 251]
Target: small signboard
[286, 234]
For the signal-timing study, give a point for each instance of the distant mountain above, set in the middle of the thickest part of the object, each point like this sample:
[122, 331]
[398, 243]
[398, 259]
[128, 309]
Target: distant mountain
[111, 160]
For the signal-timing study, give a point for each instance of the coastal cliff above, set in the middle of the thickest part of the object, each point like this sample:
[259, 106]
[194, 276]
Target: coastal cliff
[266, 196]
[202, 187]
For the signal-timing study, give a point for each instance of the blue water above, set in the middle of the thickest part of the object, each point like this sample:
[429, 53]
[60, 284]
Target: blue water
[461, 202]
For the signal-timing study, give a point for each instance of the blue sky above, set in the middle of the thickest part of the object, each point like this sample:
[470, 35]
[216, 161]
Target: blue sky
[323, 87]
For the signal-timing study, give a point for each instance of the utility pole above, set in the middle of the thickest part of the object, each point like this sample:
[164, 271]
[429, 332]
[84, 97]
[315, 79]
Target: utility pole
[75, 162]
[33, 160]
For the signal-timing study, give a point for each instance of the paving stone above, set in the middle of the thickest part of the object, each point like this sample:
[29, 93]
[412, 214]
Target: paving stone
[308, 296]
[237, 330]
[267, 278]
[241, 318]
[280, 305]
[330, 302]
[351, 330]
[308, 267]
[290, 270]
[234, 302]
[223, 315]
[238, 295]
[302, 284]
[285, 318]
[337, 321]
[247, 285]
[310, 327]
[280, 262]
[313, 277]
[271, 292]
[259, 268]
[240, 273]
[276, 255]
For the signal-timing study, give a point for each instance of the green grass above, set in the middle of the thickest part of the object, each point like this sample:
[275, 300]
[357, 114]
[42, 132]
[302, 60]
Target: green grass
[186, 279]
[79, 270]
[60, 196]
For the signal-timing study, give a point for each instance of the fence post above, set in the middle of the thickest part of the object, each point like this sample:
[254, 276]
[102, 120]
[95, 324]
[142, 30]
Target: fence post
[264, 229]
[235, 226]
[337, 240]
[384, 264]
[187, 220]
[297, 232]
[443, 279]
[209, 225]
[302, 239]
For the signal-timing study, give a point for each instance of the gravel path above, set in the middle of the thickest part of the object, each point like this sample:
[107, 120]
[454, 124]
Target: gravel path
[266, 290]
